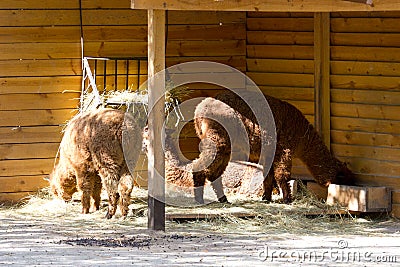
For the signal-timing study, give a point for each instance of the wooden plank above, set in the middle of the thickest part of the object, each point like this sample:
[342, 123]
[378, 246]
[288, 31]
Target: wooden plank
[280, 51]
[383, 112]
[363, 199]
[289, 93]
[48, 67]
[360, 14]
[268, 5]
[22, 183]
[378, 180]
[39, 101]
[365, 68]
[26, 167]
[21, 135]
[322, 75]
[238, 62]
[364, 82]
[35, 117]
[280, 65]
[365, 125]
[319, 191]
[365, 138]
[204, 216]
[280, 24]
[207, 32]
[205, 17]
[206, 49]
[279, 37]
[396, 210]
[39, 50]
[282, 79]
[51, 4]
[396, 196]
[255, 14]
[367, 25]
[28, 151]
[355, 53]
[29, 85]
[14, 198]
[365, 97]
[370, 152]
[371, 169]
[366, 39]
[156, 184]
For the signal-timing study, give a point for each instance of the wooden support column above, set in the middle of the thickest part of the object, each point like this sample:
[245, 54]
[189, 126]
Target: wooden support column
[156, 89]
[322, 75]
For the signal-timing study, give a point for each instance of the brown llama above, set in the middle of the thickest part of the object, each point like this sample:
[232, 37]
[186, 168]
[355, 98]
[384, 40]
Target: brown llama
[296, 138]
[92, 150]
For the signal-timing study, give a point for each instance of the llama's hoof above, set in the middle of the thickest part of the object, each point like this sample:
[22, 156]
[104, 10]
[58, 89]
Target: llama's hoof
[108, 215]
[266, 199]
[85, 210]
[287, 200]
[223, 199]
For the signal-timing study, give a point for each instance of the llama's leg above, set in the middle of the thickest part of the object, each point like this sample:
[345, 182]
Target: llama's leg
[268, 185]
[199, 180]
[219, 190]
[96, 194]
[85, 183]
[110, 182]
[282, 174]
[125, 189]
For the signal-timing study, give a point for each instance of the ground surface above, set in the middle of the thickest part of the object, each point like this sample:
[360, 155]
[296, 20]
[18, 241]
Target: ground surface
[50, 232]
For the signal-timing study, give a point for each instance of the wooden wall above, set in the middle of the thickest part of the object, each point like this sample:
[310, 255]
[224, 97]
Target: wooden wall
[365, 96]
[40, 75]
[280, 54]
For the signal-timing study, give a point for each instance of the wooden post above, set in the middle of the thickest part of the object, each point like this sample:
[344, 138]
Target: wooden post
[156, 89]
[321, 75]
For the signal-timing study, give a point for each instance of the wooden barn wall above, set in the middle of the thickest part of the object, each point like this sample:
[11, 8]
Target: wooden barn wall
[365, 96]
[40, 70]
[280, 60]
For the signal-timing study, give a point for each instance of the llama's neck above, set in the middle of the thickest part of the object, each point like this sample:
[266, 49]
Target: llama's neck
[318, 159]
[171, 153]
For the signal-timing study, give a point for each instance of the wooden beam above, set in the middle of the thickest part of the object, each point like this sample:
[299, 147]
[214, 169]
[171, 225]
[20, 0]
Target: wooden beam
[156, 88]
[321, 75]
[270, 5]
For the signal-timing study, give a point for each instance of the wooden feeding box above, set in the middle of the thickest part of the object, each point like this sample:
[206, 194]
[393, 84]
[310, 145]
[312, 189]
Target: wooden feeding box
[360, 198]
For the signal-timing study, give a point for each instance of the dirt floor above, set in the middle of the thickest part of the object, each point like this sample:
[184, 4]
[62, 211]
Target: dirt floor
[47, 231]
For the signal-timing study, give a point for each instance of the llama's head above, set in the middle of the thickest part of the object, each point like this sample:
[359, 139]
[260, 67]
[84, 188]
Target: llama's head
[344, 175]
[62, 182]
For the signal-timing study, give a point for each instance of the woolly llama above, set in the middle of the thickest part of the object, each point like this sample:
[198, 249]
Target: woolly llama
[296, 137]
[91, 154]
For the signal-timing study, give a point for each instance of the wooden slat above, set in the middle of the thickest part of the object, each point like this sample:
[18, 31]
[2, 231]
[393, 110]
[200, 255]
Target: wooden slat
[21, 135]
[396, 210]
[205, 17]
[365, 97]
[280, 24]
[26, 167]
[322, 75]
[360, 14]
[365, 138]
[396, 197]
[207, 32]
[13, 198]
[35, 117]
[28, 85]
[22, 183]
[51, 4]
[371, 167]
[378, 180]
[366, 125]
[206, 49]
[366, 68]
[370, 152]
[269, 5]
[39, 101]
[255, 14]
[351, 53]
[282, 79]
[366, 111]
[28, 151]
[364, 82]
[289, 93]
[236, 61]
[366, 39]
[279, 37]
[280, 65]
[49, 67]
[369, 25]
[280, 51]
